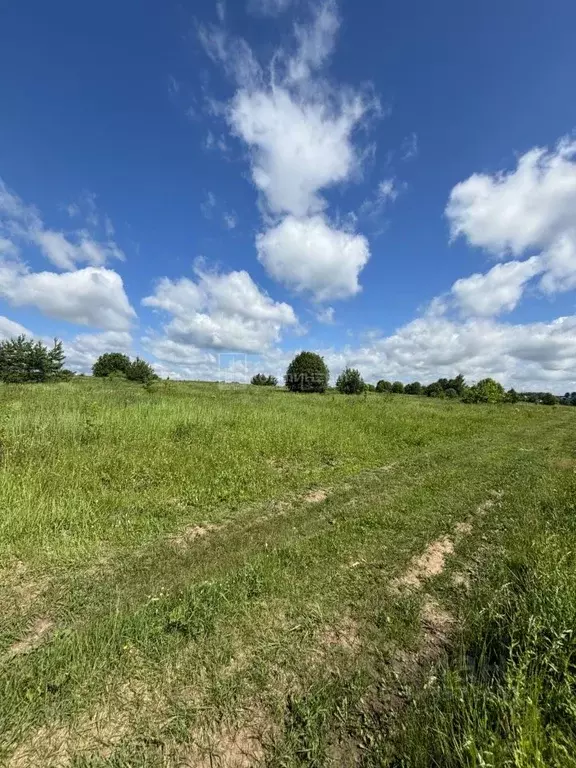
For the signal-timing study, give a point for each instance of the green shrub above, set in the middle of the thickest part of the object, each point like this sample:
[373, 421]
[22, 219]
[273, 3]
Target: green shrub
[111, 362]
[261, 380]
[350, 382]
[140, 371]
[398, 388]
[65, 374]
[485, 391]
[512, 396]
[415, 388]
[307, 373]
[434, 390]
[384, 386]
[117, 376]
[451, 393]
[549, 399]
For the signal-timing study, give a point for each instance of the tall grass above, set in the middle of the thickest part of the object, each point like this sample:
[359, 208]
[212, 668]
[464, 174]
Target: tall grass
[507, 696]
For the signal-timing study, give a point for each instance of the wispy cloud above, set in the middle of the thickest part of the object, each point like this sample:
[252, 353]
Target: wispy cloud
[410, 148]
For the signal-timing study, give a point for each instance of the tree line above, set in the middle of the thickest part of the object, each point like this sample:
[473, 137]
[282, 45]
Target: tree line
[23, 360]
[308, 372]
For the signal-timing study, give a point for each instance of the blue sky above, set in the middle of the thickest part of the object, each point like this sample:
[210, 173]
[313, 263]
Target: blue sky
[391, 184]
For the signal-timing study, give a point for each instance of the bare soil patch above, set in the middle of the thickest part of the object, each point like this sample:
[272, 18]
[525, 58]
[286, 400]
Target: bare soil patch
[566, 463]
[191, 533]
[233, 746]
[94, 734]
[20, 589]
[33, 639]
[463, 529]
[345, 634]
[430, 563]
[315, 497]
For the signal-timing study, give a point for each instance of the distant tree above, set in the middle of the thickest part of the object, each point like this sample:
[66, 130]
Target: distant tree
[24, 360]
[398, 388]
[369, 388]
[434, 390]
[350, 382]
[141, 371]
[512, 396]
[548, 399]
[485, 391]
[451, 393]
[415, 388]
[261, 380]
[458, 383]
[384, 386]
[65, 374]
[110, 362]
[307, 373]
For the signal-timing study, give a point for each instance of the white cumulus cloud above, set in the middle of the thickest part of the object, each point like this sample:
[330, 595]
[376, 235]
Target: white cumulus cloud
[498, 290]
[299, 145]
[218, 311]
[309, 255]
[527, 208]
[91, 296]
[10, 328]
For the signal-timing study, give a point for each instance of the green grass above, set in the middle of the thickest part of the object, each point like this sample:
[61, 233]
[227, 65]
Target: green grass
[506, 694]
[179, 601]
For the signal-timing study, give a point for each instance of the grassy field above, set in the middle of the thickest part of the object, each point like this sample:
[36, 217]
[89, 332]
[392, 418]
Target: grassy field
[194, 575]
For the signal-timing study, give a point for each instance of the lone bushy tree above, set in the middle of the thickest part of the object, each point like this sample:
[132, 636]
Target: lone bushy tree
[350, 382]
[307, 373]
[384, 386]
[24, 360]
[398, 388]
[111, 362]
